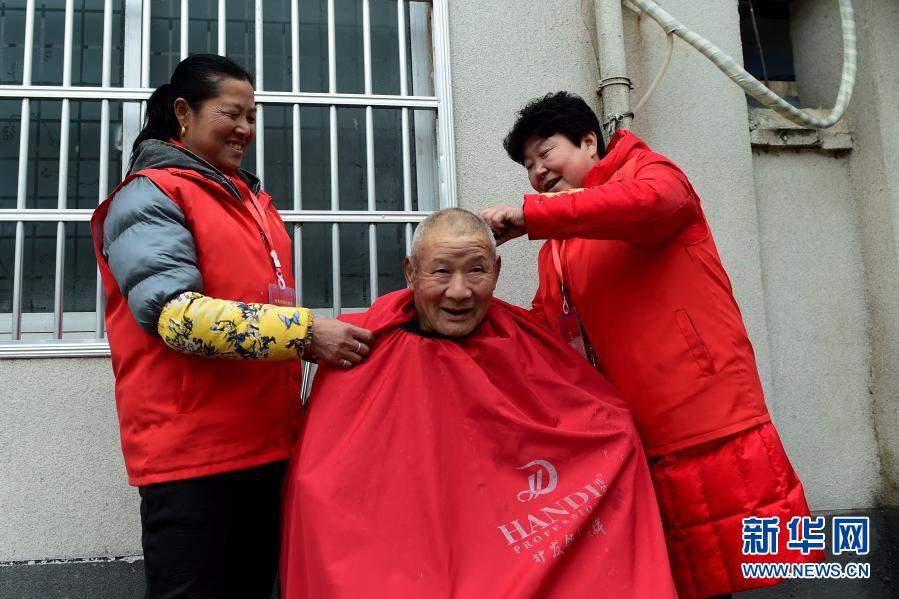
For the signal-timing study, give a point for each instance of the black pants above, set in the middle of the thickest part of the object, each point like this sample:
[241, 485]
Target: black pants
[213, 537]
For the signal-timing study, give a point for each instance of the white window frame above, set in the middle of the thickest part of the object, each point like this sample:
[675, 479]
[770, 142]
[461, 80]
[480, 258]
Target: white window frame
[136, 90]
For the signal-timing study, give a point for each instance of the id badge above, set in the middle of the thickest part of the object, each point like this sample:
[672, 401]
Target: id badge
[572, 334]
[282, 296]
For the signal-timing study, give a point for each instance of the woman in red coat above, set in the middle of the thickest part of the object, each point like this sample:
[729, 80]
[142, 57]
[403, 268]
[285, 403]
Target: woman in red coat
[205, 337]
[630, 273]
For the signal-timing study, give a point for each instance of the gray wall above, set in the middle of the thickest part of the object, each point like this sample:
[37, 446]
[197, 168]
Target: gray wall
[498, 64]
[812, 262]
[64, 493]
[817, 317]
[874, 190]
[809, 240]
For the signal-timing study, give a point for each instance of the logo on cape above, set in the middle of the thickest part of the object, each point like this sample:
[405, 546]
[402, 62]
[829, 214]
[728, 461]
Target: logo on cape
[535, 480]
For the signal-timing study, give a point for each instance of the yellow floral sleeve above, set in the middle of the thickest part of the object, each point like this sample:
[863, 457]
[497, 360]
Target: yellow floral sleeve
[193, 323]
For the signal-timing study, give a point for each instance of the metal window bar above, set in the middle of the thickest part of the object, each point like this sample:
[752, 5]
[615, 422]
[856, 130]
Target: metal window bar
[370, 152]
[297, 143]
[424, 122]
[335, 190]
[132, 112]
[145, 53]
[443, 90]
[136, 94]
[260, 85]
[103, 187]
[83, 215]
[221, 28]
[137, 22]
[404, 91]
[185, 29]
[21, 190]
[62, 188]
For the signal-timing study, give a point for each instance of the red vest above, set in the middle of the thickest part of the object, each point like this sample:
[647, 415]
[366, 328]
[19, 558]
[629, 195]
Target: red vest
[184, 416]
[655, 302]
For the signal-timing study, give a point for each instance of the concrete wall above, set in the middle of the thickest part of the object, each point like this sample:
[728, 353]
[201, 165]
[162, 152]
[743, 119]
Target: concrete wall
[786, 223]
[876, 181]
[502, 54]
[63, 492]
[810, 242]
[814, 282]
[874, 118]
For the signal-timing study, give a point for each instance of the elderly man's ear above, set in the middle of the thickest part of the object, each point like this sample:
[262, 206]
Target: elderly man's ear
[407, 270]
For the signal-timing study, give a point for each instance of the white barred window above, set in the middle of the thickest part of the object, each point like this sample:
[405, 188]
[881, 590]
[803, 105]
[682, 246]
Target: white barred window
[354, 140]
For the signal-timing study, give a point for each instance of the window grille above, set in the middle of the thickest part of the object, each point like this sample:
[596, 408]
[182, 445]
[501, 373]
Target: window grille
[354, 140]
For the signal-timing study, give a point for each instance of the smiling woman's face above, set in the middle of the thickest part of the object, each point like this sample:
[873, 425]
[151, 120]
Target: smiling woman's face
[223, 127]
[453, 282]
[555, 164]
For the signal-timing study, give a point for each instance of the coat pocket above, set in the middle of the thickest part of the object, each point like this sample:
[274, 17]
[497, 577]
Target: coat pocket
[184, 401]
[698, 349]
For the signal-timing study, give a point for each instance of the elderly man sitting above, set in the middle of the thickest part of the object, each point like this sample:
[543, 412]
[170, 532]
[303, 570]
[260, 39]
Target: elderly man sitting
[473, 454]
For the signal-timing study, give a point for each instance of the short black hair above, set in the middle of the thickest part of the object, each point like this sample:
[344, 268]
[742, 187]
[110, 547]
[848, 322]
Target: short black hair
[559, 112]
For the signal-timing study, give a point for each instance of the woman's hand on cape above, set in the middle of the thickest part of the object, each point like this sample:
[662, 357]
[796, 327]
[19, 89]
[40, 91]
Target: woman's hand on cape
[339, 343]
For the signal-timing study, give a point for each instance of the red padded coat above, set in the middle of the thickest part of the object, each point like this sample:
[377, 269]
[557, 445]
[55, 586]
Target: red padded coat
[184, 416]
[640, 265]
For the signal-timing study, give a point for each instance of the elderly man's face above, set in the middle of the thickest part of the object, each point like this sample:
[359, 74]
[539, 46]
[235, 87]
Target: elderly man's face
[453, 283]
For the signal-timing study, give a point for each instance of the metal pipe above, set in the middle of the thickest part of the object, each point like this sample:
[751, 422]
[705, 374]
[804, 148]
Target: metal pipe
[260, 109]
[63, 179]
[335, 190]
[22, 183]
[135, 94]
[222, 24]
[370, 151]
[58, 280]
[103, 186]
[294, 47]
[132, 111]
[82, 215]
[332, 48]
[28, 45]
[614, 86]
[443, 89]
[185, 29]
[404, 115]
[18, 256]
[297, 148]
[144, 55]
[145, 44]
[423, 122]
[58, 349]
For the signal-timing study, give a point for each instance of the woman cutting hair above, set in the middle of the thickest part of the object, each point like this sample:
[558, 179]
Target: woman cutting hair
[206, 337]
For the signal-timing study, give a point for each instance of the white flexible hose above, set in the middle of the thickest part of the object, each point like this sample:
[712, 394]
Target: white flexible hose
[750, 84]
[655, 82]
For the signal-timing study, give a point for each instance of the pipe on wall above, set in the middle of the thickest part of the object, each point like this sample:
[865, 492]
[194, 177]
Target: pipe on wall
[614, 85]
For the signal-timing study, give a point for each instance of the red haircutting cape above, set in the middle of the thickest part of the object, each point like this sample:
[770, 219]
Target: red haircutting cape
[496, 465]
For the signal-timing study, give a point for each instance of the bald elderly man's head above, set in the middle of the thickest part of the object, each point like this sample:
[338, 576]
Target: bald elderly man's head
[452, 271]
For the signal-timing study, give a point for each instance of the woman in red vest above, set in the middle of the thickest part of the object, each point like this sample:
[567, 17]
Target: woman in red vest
[630, 275]
[205, 337]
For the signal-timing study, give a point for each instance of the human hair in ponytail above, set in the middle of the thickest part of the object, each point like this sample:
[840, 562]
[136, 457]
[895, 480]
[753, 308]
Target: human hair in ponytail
[196, 79]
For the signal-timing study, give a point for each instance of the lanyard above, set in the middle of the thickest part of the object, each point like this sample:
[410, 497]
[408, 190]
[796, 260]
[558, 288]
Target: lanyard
[260, 216]
[557, 262]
